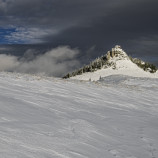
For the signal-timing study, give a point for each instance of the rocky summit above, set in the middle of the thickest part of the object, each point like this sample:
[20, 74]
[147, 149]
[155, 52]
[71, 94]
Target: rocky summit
[117, 51]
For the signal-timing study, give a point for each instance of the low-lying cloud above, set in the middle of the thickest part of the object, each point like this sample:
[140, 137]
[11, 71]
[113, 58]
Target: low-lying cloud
[55, 62]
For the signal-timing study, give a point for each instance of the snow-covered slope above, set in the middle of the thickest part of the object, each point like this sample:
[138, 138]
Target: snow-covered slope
[116, 117]
[119, 63]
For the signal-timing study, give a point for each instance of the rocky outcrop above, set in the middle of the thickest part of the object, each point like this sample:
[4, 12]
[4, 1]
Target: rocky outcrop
[108, 55]
[117, 51]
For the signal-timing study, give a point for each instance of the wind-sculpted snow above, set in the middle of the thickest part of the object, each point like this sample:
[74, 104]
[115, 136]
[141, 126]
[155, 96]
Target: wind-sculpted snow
[116, 117]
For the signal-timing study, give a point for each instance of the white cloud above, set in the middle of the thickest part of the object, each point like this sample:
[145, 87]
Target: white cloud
[8, 63]
[56, 62]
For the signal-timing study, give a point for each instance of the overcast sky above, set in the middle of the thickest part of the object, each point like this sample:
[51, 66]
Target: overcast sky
[91, 26]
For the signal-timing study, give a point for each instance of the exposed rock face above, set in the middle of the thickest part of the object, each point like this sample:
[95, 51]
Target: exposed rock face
[117, 51]
[108, 55]
[112, 54]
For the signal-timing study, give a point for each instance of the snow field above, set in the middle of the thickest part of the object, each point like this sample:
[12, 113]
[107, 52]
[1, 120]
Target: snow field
[116, 117]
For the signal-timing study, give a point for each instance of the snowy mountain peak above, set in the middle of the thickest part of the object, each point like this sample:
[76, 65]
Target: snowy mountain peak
[117, 58]
[114, 62]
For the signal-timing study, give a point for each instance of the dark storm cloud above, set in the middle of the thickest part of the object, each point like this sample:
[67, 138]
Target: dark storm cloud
[97, 18]
[48, 17]
[94, 26]
[132, 24]
[49, 12]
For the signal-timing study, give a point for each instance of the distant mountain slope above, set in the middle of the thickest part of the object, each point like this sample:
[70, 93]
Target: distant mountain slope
[115, 61]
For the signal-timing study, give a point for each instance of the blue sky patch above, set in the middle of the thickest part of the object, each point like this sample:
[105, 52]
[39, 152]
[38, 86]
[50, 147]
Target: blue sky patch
[4, 33]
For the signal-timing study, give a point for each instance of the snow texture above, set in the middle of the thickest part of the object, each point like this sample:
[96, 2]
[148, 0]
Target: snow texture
[116, 117]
